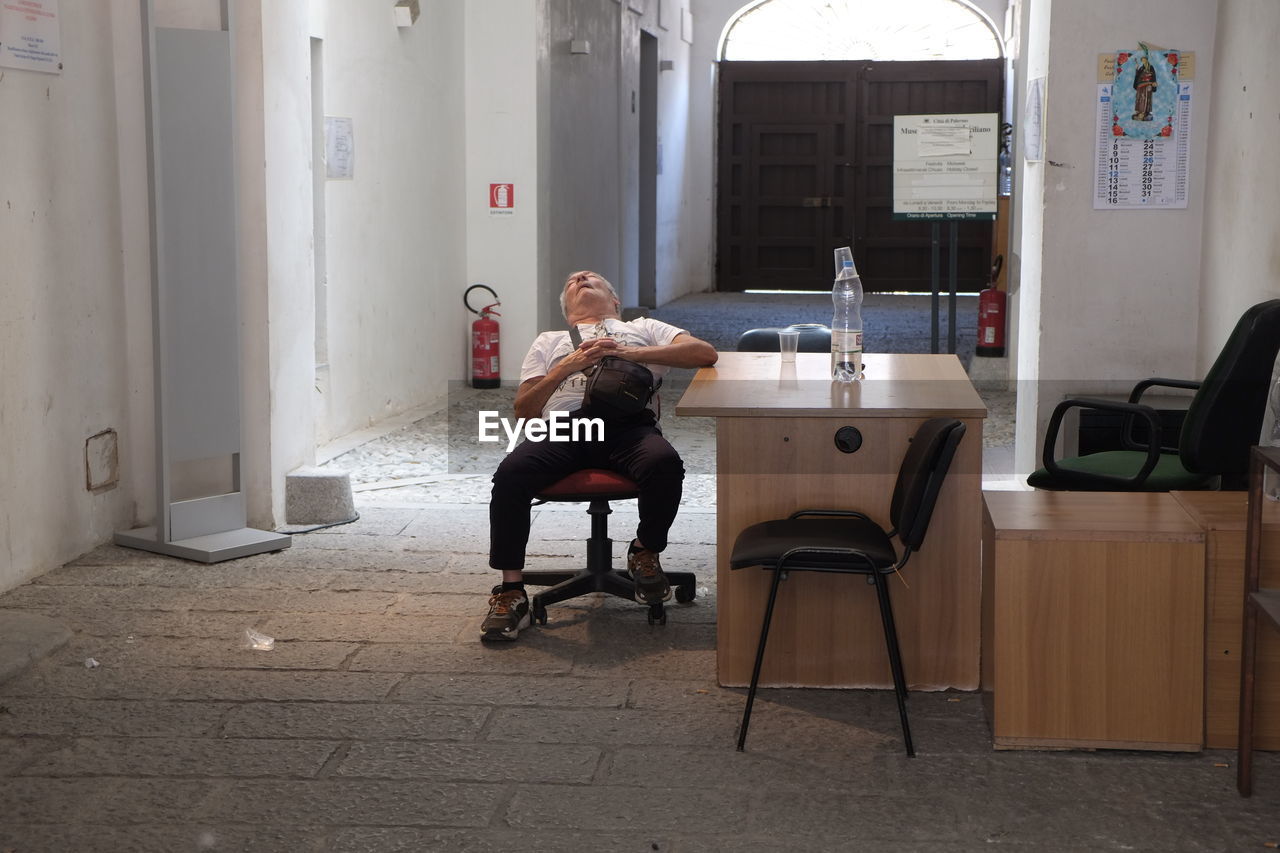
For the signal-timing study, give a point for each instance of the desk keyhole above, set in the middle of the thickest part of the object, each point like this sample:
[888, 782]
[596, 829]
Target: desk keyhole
[848, 439]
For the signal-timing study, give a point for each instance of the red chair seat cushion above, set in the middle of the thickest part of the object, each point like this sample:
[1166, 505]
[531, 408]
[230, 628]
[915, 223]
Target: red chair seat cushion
[591, 484]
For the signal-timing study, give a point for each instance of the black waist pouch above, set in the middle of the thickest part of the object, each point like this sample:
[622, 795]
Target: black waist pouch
[616, 386]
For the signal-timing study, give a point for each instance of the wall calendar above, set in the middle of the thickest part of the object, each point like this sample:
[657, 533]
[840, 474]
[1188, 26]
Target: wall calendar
[1143, 129]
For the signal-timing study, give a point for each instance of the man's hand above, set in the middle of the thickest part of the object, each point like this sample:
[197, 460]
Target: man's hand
[534, 393]
[589, 353]
[684, 351]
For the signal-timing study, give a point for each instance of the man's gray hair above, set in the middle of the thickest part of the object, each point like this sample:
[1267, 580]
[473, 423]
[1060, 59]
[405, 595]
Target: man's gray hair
[564, 309]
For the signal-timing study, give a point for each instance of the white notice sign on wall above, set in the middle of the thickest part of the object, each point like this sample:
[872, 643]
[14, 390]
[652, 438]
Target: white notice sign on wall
[29, 35]
[944, 166]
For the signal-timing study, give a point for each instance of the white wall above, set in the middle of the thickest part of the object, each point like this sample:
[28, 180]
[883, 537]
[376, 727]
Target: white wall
[394, 234]
[1119, 291]
[1240, 265]
[503, 52]
[591, 181]
[683, 240]
[63, 369]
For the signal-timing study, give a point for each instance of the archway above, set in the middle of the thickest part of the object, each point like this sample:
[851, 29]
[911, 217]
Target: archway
[808, 90]
[903, 31]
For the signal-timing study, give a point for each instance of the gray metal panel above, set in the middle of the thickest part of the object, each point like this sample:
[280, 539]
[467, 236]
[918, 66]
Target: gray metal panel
[203, 516]
[229, 545]
[194, 119]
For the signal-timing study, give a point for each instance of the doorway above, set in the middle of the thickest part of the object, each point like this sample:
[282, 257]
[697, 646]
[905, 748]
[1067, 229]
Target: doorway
[805, 165]
[649, 169]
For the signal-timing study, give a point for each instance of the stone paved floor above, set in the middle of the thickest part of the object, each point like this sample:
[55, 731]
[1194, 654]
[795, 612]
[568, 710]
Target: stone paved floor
[379, 723]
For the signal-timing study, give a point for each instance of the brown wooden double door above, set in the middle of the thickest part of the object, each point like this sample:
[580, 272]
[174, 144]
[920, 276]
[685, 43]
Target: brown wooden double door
[805, 164]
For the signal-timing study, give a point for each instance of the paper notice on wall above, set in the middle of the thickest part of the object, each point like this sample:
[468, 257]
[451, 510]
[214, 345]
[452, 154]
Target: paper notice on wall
[29, 35]
[339, 149]
[943, 141]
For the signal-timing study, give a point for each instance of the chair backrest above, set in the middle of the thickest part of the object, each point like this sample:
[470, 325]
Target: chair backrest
[814, 337]
[1225, 416]
[920, 477]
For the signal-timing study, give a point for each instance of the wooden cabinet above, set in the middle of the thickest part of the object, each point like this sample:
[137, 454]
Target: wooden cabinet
[1222, 517]
[1093, 620]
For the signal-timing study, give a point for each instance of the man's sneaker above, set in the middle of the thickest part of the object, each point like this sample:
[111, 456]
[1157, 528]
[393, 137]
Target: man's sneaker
[508, 615]
[646, 570]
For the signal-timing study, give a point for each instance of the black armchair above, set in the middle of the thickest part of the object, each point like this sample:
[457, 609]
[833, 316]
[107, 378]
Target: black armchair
[1212, 450]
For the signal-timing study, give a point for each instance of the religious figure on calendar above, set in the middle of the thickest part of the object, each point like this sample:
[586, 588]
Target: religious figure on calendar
[1144, 93]
[1144, 89]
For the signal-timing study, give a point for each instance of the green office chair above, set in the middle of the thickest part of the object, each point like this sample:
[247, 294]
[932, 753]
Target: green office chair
[1221, 424]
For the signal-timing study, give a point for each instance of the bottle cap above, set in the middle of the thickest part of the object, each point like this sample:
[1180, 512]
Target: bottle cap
[844, 258]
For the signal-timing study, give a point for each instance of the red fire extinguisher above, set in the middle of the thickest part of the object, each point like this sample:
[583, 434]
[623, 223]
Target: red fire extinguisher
[991, 305]
[484, 341]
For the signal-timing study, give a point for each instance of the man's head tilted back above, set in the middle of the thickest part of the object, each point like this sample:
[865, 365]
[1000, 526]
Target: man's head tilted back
[588, 296]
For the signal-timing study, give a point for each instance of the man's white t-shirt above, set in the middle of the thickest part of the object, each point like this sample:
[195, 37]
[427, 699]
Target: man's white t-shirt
[550, 347]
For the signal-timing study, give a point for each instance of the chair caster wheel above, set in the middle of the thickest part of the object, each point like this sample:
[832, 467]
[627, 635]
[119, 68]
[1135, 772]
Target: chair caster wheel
[685, 594]
[657, 614]
[539, 613]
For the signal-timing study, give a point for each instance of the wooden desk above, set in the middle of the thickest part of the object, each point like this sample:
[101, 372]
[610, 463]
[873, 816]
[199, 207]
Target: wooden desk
[1093, 620]
[1222, 517]
[775, 453]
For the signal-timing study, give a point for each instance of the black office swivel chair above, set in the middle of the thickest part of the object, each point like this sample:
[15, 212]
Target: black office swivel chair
[850, 542]
[1222, 423]
[814, 337]
[597, 486]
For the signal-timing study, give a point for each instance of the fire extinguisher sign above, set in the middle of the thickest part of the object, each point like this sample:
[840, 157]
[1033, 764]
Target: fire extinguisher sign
[502, 199]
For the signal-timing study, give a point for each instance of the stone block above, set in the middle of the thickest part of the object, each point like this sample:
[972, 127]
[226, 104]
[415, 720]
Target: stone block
[318, 496]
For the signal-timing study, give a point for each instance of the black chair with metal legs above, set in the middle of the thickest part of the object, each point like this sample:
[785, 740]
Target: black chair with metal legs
[829, 540]
[597, 486]
[814, 337]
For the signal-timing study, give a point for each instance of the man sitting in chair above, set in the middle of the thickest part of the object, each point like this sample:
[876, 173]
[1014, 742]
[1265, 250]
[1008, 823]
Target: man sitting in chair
[551, 380]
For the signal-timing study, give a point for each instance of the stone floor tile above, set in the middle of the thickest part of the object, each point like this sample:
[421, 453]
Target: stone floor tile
[373, 521]
[100, 800]
[159, 838]
[151, 623]
[353, 802]
[367, 722]
[239, 574]
[18, 752]
[470, 762]
[532, 689]
[127, 718]
[548, 840]
[105, 681]
[606, 727]
[185, 757]
[607, 808]
[138, 597]
[362, 627]
[357, 557]
[525, 657]
[284, 686]
[230, 653]
[438, 604]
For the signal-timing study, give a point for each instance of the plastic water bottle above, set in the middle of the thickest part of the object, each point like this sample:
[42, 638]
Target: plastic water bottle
[846, 323]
